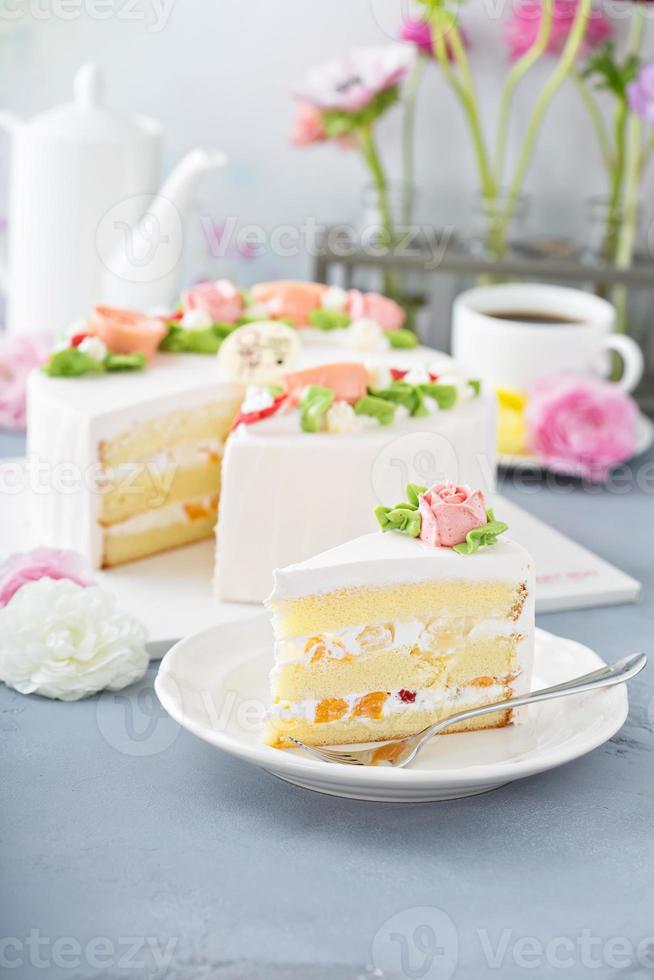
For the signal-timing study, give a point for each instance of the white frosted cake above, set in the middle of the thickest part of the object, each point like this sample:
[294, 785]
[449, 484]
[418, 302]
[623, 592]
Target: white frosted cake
[129, 424]
[391, 632]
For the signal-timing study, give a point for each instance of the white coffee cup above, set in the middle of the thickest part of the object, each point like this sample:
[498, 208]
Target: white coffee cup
[513, 353]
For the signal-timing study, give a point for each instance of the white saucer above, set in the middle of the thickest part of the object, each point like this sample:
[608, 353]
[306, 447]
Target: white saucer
[215, 685]
[530, 463]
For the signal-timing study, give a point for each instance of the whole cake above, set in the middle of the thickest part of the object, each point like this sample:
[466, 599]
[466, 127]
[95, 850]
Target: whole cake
[391, 632]
[137, 430]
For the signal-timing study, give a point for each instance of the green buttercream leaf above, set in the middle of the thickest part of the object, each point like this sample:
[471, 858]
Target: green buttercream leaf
[398, 392]
[179, 340]
[125, 362]
[376, 408]
[475, 384]
[276, 390]
[72, 363]
[480, 537]
[444, 395]
[413, 491]
[401, 518]
[402, 338]
[246, 296]
[313, 407]
[329, 319]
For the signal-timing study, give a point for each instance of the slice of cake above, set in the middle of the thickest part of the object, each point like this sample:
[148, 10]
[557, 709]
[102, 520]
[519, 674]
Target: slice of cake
[391, 632]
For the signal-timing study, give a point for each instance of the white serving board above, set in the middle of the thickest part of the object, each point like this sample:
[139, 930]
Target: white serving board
[171, 593]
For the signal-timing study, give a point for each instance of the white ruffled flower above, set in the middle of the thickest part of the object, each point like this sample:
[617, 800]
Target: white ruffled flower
[65, 641]
[379, 377]
[196, 320]
[365, 334]
[94, 347]
[256, 399]
[340, 418]
[334, 298]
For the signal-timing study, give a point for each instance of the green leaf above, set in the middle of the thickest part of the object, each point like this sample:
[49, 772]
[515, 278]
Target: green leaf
[608, 73]
[413, 491]
[72, 363]
[480, 537]
[398, 392]
[329, 319]
[376, 408]
[475, 384]
[276, 390]
[444, 395]
[313, 407]
[178, 340]
[402, 518]
[125, 362]
[402, 338]
[339, 123]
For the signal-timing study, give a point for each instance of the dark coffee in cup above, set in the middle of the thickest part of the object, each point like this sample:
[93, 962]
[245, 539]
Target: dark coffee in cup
[531, 316]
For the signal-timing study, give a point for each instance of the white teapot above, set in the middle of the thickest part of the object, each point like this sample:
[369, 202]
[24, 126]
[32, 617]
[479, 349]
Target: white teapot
[86, 223]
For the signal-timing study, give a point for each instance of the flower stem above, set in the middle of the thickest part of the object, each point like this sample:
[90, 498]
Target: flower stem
[515, 76]
[464, 90]
[549, 90]
[596, 118]
[408, 138]
[627, 234]
[372, 159]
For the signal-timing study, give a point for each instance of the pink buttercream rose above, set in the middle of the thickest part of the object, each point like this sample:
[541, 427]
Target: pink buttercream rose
[30, 566]
[580, 426]
[308, 126]
[221, 300]
[386, 312]
[522, 27]
[448, 513]
[18, 357]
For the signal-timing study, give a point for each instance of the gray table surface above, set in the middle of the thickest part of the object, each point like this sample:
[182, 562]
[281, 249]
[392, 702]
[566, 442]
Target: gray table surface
[132, 849]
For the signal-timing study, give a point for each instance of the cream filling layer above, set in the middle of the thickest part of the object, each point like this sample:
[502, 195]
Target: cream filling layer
[180, 457]
[449, 697]
[171, 514]
[357, 640]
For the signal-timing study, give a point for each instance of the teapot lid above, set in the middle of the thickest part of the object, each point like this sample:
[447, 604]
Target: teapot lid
[87, 119]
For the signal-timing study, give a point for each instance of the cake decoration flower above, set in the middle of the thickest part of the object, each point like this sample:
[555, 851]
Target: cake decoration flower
[445, 516]
[61, 636]
[385, 311]
[289, 300]
[18, 357]
[581, 426]
[221, 300]
[126, 331]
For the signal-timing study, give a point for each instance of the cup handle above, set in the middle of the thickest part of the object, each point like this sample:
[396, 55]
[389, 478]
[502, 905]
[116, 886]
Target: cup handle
[632, 359]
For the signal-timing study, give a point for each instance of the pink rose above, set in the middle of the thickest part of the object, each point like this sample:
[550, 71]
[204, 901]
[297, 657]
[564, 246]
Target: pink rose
[30, 566]
[523, 25]
[221, 300]
[448, 513]
[308, 126]
[580, 426]
[18, 357]
[386, 312]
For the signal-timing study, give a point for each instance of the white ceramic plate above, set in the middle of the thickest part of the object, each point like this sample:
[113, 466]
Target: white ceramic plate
[215, 684]
[644, 439]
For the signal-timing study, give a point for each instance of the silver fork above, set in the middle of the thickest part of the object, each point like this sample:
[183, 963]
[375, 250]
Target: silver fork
[400, 752]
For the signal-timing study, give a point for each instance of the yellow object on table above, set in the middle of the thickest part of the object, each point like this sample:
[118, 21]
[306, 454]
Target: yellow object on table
[511, 426]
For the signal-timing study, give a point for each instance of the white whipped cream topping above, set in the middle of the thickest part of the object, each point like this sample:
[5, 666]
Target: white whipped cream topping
[365, 334]
[256, 399]
[340, 418]
[94, 347]
[196, 320]
[334, 298]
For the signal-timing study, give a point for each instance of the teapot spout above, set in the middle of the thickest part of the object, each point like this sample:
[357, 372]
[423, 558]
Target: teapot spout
[179, 186]
[143, 271]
